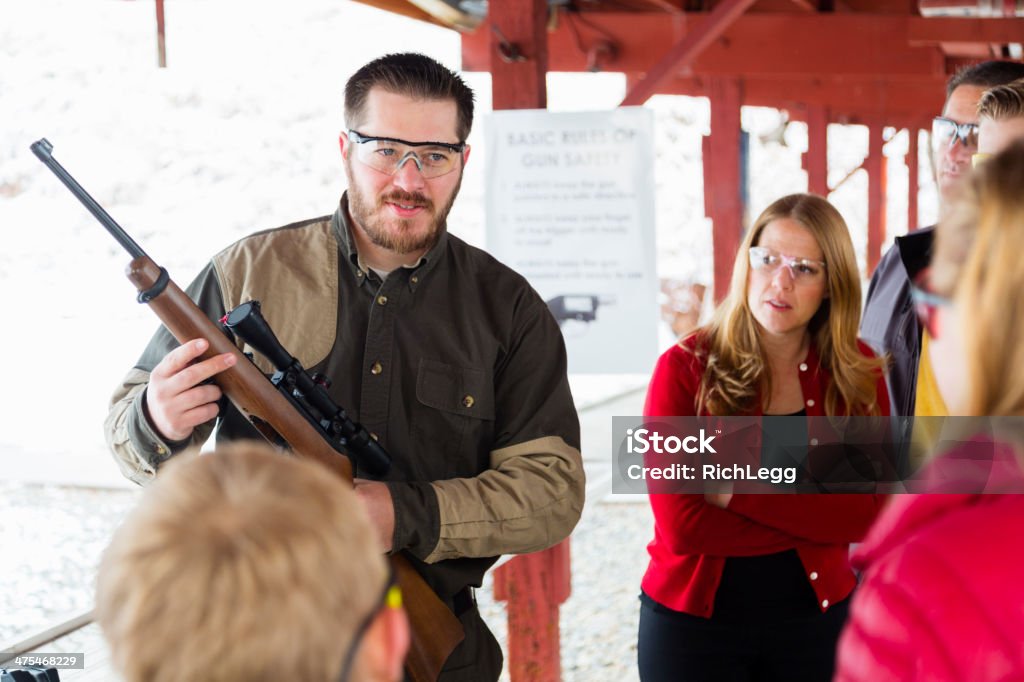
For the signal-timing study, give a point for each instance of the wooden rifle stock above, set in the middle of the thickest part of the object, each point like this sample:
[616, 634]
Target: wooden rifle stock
[435, 629]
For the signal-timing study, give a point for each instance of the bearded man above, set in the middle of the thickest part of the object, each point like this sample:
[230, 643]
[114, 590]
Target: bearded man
[449, 358]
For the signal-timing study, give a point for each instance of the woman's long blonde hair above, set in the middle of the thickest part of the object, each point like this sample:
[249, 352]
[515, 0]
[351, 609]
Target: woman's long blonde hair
[979, 257]
[736, 364]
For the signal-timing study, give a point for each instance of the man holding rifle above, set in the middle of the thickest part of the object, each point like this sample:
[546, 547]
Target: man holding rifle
[446, 356]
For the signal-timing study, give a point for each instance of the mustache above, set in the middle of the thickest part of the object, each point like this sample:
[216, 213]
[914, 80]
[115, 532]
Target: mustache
[406, 199]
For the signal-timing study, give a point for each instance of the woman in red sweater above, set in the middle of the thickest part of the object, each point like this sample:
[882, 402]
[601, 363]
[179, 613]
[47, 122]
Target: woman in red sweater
[755, 587]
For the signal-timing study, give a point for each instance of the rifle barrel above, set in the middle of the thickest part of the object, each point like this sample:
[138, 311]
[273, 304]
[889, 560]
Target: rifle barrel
[44, 151]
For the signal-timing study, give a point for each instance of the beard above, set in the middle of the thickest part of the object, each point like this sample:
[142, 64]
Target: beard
[396, 234]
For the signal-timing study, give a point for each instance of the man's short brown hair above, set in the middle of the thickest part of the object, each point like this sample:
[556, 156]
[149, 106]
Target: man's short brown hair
[1003, 102]
[412, 75]
[244, 564]
[986, 75]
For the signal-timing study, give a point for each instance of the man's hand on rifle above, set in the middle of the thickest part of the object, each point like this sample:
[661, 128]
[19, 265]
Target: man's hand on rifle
[176, 399]
[377, 501]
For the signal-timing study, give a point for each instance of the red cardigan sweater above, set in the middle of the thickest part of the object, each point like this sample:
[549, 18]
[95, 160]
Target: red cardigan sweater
[693, 538]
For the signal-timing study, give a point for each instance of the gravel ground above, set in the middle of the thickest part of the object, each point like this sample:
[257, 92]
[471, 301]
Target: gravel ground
[53, 536]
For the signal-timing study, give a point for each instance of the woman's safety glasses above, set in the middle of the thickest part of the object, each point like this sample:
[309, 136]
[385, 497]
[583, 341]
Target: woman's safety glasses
[389, 154]
[768, 261]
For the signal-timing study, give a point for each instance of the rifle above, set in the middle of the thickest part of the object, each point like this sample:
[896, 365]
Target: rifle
[435, 629]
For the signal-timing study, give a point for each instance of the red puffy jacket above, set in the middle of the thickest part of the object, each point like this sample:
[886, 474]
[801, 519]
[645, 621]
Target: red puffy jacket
[942, 593]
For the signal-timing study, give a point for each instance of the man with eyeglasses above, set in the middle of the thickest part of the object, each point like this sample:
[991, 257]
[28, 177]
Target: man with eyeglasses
[243, 565]
[450, 359]
[890, 323]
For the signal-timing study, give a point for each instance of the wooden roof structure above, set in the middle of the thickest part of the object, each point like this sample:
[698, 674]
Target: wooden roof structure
[863, 59]
[873, 62]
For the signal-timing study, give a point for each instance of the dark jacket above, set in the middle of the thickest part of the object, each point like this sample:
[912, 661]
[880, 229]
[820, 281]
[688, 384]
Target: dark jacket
[890, 325]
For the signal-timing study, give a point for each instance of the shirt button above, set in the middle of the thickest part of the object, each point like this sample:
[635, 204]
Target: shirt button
[376, 368]
[360, 273]
[468, 401]
[803, 366]
[824, 603]
[161, 450]
[814, 575]
[382, 300]
[810, 403]
[814, 441]
[414, 279]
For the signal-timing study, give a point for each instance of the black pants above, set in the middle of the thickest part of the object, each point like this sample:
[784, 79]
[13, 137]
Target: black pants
[678, 647]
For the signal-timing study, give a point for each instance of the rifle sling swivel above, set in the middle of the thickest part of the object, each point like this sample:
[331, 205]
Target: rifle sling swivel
[157, 288]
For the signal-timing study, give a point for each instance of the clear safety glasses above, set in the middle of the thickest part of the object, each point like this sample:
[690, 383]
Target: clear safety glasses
[768, 261]
[389, 154]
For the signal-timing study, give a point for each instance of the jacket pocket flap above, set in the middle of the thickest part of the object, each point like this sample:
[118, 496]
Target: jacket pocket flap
[460, 390]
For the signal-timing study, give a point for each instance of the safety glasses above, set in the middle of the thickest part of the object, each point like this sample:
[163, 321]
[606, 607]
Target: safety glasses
[389, 154]
[391, 598]
[946, 131]
[769, 261]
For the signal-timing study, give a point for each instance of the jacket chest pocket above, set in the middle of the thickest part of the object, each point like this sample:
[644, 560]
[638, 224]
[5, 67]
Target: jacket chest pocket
[453, 418]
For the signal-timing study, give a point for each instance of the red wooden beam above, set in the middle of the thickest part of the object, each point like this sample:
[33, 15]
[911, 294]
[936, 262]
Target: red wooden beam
[816, 157]
[849, 100]
[806, 5]
[935, 30]
[722, 182]
[687, 49]
[793, 44]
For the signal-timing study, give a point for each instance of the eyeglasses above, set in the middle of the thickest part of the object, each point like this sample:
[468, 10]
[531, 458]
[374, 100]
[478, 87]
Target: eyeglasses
[946, 131]
[389, 154]
[927, 305]
[800, 269]
[391, 599]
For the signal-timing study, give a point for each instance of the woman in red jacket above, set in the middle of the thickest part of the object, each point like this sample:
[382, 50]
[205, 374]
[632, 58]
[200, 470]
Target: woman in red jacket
[755, 587]
[942, 597]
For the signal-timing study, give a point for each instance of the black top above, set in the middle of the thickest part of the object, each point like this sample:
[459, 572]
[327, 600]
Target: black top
[771, 586]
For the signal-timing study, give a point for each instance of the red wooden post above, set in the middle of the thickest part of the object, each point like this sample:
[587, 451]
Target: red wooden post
[161, 36]
[535, 585]
[722, 201]
[912, 171]
[816, 157]
[877, 182]
[519, 54]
